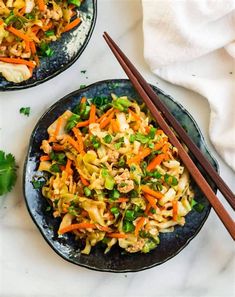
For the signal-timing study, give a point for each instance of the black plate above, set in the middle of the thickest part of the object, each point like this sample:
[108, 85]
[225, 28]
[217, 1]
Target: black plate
[66, 50]
[115, 261]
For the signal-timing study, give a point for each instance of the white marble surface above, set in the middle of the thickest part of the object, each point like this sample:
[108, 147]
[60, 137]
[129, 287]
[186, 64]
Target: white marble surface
[28, 266]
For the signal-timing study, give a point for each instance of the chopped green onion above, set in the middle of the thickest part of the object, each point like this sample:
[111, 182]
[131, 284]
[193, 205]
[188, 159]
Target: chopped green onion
[58, 157]
[87, 191]
[152, 133]
[199, 207]
[114, 210]
[55, 168]
[48, 208]
[128, 227]
[117, 145]
[132, 138]
[121, 162]
[151, 145]
[38, 182]
[156, 174]
[121, 104]
[45, 50]
[149, 245]
[132, 168]
[130, 215]
[114, 194]
[30, 16]
[133, 194]
[96, 145]
[50, 33]
[142, 138]
[75, 2]
[193, 202]
[170, 180]
[107, 138]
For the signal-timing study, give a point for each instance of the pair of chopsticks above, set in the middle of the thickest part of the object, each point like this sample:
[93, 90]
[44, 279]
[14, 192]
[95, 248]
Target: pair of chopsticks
[158, 110]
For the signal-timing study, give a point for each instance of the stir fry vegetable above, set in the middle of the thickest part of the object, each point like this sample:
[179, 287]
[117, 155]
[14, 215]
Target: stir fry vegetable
[115, 178]
[27, 27]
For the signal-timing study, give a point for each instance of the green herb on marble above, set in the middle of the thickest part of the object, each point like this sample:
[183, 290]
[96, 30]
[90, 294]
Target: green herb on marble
[25, 111]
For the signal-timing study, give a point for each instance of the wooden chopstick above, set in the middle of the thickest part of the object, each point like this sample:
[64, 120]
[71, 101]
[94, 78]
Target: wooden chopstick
[195, 173]
[221, 185]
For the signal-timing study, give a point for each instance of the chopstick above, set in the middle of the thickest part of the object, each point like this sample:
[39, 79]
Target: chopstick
[192, 168]
[221, 185]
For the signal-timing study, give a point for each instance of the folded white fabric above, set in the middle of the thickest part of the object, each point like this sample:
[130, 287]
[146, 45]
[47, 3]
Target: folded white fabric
[192, 44]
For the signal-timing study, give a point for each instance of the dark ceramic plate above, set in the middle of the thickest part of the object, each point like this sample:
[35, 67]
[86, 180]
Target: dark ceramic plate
[66, 50]
[115, 261]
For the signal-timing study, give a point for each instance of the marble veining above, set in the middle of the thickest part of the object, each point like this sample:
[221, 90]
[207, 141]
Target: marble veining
[28, 266]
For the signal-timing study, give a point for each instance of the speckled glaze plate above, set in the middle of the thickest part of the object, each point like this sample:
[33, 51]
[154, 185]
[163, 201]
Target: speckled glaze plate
[66, 50]
[115, 261]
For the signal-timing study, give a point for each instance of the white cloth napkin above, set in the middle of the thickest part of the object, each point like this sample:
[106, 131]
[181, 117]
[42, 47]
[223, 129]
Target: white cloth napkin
[192, 44]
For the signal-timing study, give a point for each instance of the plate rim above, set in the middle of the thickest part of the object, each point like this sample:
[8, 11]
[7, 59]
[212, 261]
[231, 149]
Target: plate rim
[40, 228]
[62, 69]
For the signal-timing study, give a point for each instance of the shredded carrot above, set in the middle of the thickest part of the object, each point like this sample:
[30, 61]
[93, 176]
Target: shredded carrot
[84, 181]
[147, 209]
[73, 142]
[32, 47]
[105, 115]
[78, 135]
[27, 46]
[1, 22]
[115, 125]
[36, 59]
[82, 124]
[62, 167]
[159, 132]
[92, 114]
[135, 116]
[76, 226]
[104, 228]
[165, 148]
[151, 192]
[83, 100]
[57, 147]
[17, 61]
[158, 145]
[156, 161]
[117, 235]
[18, 33]
[21, 11]
[107, 120]
[71, 25]
[44, 158]
[147, 129]
[136, 126]
[58, 127]
[151, 200]
[120, 200]
[145, 152]
[68, 167]
[139, 225]
[41, 5]
[47, 27]
[175, 210]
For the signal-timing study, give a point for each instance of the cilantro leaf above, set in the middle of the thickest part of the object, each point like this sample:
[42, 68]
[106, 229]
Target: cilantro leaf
[7, 172]
[25, 111]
